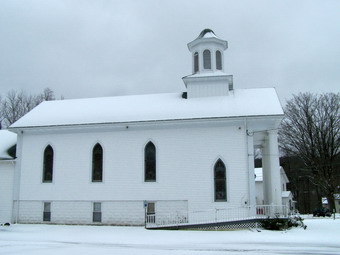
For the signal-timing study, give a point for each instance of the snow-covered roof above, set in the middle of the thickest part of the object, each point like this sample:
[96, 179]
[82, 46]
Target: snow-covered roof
[7, 140]
[208, 74]
[324, 201]
[283, 175]
[154, 107]
[286, 194]
[258, 174]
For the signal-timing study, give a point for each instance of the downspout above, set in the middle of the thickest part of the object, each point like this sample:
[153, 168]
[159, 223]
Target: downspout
[250, 163]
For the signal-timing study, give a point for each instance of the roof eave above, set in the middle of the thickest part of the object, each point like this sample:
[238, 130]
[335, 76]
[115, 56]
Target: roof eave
[207, 40]
[19, 130]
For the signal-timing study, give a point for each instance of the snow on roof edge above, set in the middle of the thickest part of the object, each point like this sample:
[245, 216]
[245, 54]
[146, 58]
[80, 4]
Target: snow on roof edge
[13, 129]
[154, 107]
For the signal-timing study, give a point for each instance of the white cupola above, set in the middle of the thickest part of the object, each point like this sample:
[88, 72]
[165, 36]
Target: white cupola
[208, 77]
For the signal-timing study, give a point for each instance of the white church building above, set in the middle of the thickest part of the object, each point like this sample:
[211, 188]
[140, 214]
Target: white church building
[115, 160]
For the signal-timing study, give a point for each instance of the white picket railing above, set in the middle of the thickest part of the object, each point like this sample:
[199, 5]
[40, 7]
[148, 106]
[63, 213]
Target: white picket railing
[265, 211]
[215, 215]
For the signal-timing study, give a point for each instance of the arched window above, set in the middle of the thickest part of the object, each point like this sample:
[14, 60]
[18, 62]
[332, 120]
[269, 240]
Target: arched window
[220, 181]
[207, 59]
[97, 163]
[150, 162]
[218, 60]
[196, 66]
[48, 164]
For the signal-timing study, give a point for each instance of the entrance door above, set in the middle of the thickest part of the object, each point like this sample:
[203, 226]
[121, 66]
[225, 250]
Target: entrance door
[151, 213]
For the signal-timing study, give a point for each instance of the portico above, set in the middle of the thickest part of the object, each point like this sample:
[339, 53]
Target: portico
[267, 142]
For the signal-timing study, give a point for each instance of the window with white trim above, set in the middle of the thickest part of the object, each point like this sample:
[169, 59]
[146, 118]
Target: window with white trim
[196, 63]
[150, 162]
[218, 60]
[48, 164]
[97, 212]
[220, 181]
[97, 163]
[47, 211]
[206, 59]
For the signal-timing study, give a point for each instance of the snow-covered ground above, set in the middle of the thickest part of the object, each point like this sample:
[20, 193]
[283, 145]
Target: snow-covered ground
[322, 236]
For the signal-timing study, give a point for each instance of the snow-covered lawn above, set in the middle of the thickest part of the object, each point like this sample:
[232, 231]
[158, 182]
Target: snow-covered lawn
[322, 236]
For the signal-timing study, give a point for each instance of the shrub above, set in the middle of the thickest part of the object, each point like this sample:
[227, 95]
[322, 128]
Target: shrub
[282, 223]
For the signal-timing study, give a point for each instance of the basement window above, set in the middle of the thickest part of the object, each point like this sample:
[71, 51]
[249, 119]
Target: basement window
[97, 212]
[47, 211]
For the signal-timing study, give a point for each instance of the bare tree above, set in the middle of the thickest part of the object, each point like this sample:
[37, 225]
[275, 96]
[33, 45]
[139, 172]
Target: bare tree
[311, 131]
[16, 104]
[47, 95]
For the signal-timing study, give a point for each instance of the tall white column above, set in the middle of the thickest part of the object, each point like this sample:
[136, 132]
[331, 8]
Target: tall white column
[266, 174]
[274, 164]
[271, 170]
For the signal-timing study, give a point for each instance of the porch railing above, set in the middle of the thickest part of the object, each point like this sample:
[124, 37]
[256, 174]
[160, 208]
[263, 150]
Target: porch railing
[265, 211]
[215, 215]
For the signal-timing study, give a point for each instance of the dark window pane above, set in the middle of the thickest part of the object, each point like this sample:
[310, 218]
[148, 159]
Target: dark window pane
[206, 59]
[220, 181]
[97, 217]
[218, 60]
[219, 170]
[47, 212]
[48, 164]
[150, 162]
[47, 216]
[97, 163]
[196, 66]
[97, 212]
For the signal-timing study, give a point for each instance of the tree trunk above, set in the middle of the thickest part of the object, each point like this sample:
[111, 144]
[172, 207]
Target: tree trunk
[331, 202]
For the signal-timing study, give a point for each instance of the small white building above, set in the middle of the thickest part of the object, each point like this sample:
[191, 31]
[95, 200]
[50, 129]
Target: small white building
[336, 202]
[101, 160]
[287, 196]
[7, 166]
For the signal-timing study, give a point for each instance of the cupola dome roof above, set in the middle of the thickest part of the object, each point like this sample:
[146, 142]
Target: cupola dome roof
[207, 36]
[207, 33]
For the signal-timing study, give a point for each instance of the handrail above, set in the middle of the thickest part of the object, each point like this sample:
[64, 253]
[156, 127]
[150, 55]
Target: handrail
[215, 215]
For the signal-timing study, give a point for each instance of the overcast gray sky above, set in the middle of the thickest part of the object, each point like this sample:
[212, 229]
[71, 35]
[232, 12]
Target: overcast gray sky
[104, 48]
